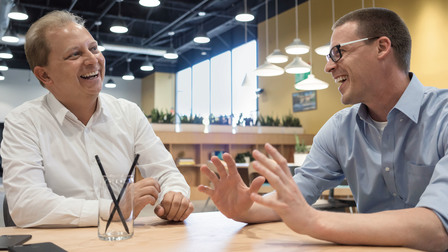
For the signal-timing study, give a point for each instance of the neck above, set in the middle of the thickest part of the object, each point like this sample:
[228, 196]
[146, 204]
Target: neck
[83, 109]
[390, 90]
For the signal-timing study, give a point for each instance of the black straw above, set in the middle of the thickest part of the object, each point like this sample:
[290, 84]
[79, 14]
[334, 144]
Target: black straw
[131, 170]
[116, 206]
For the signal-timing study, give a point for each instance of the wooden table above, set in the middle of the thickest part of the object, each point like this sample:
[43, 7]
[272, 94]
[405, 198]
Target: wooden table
[210, 231]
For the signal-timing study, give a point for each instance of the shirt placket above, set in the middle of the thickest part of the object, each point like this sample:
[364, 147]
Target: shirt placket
[387, 157]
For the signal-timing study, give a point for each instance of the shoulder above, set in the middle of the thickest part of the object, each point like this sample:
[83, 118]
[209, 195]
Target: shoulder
[30, 108]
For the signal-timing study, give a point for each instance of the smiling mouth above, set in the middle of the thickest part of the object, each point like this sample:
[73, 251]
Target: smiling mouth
[90, 75]
[340, 79]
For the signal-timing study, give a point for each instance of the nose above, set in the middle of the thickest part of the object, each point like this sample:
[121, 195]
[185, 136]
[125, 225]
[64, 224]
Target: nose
[92, 58]
[330, 66]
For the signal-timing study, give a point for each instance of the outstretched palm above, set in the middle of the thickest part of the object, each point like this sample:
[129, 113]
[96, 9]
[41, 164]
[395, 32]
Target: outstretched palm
[230, 194]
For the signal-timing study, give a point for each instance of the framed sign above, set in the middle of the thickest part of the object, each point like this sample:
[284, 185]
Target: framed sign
[303, 101]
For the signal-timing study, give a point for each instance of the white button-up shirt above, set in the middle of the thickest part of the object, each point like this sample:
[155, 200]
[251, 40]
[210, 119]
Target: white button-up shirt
[51, 177]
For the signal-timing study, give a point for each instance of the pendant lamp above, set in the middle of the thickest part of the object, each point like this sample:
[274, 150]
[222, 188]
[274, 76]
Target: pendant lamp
[276, 56]
[244, 16]
[297, 66]
[297, 47]
[118, 26]
[149, 3]
[310, 83]
[128, 75]
[268, 69]
[18, 12]
[325, 49]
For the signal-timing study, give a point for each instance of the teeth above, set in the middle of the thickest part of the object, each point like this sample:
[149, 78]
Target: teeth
[90, 74]
[340, 79]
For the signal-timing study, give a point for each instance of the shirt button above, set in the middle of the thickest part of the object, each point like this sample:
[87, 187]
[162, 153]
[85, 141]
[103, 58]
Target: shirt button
[401, 119]
[387, 169]
[394, 194]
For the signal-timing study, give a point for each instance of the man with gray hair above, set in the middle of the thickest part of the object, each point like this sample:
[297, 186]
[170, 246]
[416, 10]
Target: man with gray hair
[49, 144]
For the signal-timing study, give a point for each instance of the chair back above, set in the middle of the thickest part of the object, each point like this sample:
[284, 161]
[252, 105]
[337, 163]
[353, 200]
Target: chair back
[6, 216]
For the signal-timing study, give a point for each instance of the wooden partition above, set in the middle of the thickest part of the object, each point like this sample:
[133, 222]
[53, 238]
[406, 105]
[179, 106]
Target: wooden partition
[199, 146]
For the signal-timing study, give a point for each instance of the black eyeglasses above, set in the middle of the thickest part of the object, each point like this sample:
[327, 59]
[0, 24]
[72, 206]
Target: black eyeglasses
[335, 53]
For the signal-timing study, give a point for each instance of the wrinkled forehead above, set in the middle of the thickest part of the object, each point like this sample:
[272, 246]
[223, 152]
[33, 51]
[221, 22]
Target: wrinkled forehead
[344, 33]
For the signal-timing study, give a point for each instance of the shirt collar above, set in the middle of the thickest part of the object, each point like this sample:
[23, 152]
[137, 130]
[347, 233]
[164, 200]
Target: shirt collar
[57, 109]
[60, 112]
[409, 102]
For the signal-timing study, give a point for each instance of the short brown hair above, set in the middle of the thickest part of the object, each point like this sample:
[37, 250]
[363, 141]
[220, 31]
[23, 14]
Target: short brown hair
[376, 22]
[36, 46]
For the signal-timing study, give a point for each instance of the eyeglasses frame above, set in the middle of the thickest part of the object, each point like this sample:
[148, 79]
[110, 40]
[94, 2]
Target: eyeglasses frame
[328, 56]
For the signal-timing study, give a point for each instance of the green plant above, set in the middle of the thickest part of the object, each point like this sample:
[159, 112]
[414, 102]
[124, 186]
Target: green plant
[191, 119]
[300, 147]
[159, 116]
[268, 121]
[291, 121]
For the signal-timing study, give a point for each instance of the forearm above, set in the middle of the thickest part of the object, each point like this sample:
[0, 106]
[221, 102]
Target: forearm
[418, 228]
[258, 213]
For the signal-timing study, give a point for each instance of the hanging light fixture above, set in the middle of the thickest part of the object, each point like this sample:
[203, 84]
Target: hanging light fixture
[310, 83]
[297, 66]
[147, 65]
[18, 12]
[297, 47]
[5, 53]
[118, 26]
[10, 36]
[201, 37]
[128, 75]
[268, 69]
[2, 77]
[170, 52]
[149, 3]
[3, 66]
[98, 41]
[244, 16]
[325, 49]
[110, 83]
[276, 56]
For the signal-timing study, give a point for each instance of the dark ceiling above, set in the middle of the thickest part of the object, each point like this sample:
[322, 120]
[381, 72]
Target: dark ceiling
[149, 28]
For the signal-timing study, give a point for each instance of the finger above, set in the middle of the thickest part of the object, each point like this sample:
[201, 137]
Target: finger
[264, 162]
[267, 201]
[159, 211]
[187, 212]
[210, 175]
[256, 184]
[205, 189]
[180, 203]
[166, 202]
[231, 165]
[219, 166]
[274, 179]
[279, 158]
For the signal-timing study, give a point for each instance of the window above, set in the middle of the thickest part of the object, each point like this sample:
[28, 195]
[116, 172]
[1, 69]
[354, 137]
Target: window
[216, 87]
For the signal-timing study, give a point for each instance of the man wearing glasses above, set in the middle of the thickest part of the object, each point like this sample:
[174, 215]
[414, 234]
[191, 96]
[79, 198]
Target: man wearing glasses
[391, 146]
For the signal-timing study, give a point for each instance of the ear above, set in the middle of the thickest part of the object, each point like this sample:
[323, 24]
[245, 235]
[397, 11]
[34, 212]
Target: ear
[42, 75]
[384, 47]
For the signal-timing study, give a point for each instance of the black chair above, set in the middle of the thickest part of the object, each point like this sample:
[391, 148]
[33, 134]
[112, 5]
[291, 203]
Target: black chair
[6, 216]
[336, 205]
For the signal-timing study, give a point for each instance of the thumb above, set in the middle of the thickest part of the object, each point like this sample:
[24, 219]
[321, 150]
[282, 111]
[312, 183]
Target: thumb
[159, 211]
[256, 184]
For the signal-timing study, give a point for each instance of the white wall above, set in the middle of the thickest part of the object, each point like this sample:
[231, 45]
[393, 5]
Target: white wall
[21, 85]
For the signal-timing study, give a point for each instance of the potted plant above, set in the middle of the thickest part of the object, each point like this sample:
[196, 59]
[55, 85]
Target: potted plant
[301, 151]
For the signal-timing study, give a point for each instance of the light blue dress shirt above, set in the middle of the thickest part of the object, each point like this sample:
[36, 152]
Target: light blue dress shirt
[404, 167]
